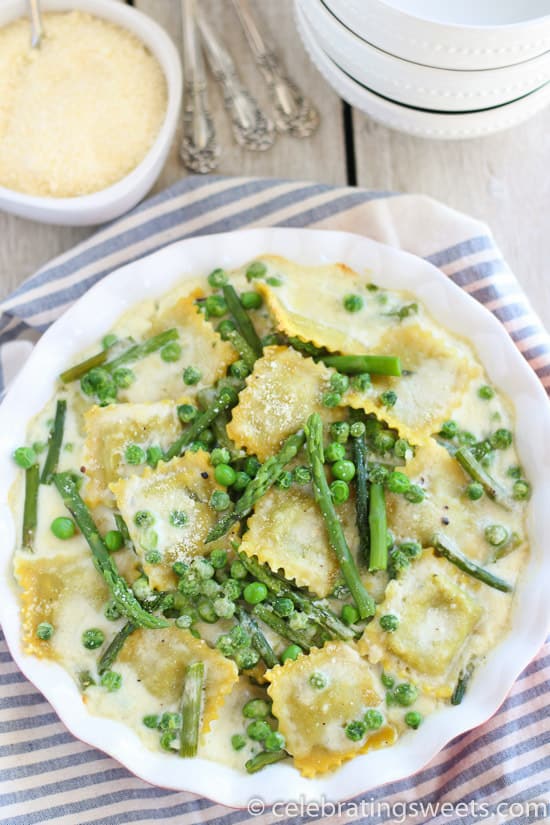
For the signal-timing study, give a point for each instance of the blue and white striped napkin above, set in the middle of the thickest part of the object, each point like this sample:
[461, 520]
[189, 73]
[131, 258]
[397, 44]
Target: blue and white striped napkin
[500, 772]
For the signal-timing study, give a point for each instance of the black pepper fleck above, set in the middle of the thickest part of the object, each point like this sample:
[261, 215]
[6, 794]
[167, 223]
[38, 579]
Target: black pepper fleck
[204, 475]
[445, 520]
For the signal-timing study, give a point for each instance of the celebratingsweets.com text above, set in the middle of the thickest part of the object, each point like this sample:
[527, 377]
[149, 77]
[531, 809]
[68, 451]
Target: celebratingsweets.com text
[400, 812]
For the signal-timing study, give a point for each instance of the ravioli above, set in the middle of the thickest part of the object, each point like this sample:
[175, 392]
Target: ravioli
[110, 430]
[160, 659]
[283, 389]
[288, 533]
[176, 496]
[435, 376]
[313, 720]
[201, 347]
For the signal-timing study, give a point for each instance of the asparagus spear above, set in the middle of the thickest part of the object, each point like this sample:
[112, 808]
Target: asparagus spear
[108, 657]
[477, 472]
[463, 680]
[259, 641]
[124, 598]
[443, 548]
[359, 449]
[357, 364]
[242, 321]
[266, 615]
[225, 399]
[378, 530]
[55, 441]
[30, 507]
[73, 373]
[314, 442]
[243, 347]
[191, 708]
[266, 476]
[256, 763]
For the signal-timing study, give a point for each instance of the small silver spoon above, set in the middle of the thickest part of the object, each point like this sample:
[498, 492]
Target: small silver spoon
[37, 30]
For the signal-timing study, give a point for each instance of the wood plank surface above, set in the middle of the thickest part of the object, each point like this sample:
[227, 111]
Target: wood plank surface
[501, 179]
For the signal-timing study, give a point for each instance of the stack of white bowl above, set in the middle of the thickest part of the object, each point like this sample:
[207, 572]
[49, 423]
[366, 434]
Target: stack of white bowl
[433, 68]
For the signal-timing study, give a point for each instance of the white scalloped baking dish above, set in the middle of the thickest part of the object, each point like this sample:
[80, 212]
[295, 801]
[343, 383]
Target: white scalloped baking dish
[151, 276]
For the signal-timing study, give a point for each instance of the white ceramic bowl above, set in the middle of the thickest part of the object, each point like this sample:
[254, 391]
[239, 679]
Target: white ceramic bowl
[109, 203]
[421, 123]
[95, 313]
[417, 85]
[451, 34]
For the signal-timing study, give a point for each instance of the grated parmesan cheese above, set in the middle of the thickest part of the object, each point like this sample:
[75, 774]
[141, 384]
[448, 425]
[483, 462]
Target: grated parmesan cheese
[79, 113]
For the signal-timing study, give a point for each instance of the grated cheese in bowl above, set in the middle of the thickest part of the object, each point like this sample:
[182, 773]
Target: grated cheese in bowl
[81, 112]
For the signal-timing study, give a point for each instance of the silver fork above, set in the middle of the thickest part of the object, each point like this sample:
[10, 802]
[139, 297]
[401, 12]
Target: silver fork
[199, 150]
[251, 127]
[37, 31]
[294, 113]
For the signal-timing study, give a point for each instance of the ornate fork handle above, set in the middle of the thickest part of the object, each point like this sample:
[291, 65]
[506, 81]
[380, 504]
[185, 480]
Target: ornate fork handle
[294, 113]
[199, 149]
[251, 127]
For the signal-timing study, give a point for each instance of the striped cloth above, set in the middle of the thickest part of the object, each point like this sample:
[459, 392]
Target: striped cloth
[47, 775]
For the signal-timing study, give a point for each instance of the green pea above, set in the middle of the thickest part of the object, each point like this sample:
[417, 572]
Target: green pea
[521, 490]
[238, 570]
[251, 300]
[111, 680]
[143, 518]
[24, 457]
[238, 742]
[93, 638]
[219, 501]
[387, 680]
[415, 494]
[187, 413]
[291, 653]
[466, 438]
[63, 527]
[171, 352]
[255, 592]
[449, 429]
[256, 709]
[114, 540]
[402, 448]
[124, 377]
[389, 622]
[486, 392]
[302, 475]
[216, 306]
[241, 481]
[357, 429]
[153, 556]
[373, 719]
[513, 471]
[501, 439]
[184, 621]
[378, 474]
[361, 382]
[203, 568]
[225, 327]
[384, 442]
[398, 482]
[170, 721]
[412, 549]
[191, 376]
[256, 269]
[258, 730]
[283, 607]
[134, 454]
[339, 382]
[111, 612]
[413, 719]
[246, 658]
[343, 470]
[350, 614]
[167, 740]
[274, 741]
[217, 278]
[496, 535]
[218, 559]
[353, 303]
[180, 567]
[211, 589]
[340, 491]
[273, 281]
[404, 695]
[356, 730]
[335, 451]
[141, 588]
[388, 398]
[331, 399]
[474, 491]
[284, 482]
[108, 340]
[251, 466]
[225, 475]
[206, 611]
[45, 631]
[239, 369]
[318, 680]
[40, 446]
[220, 455]
[224, 607]
[151, 721]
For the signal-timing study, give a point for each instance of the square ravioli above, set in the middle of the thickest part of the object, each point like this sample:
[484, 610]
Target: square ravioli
[110, 430]
[438, 612]
[201, 347]
[313, 719]
[287, 531]
[175, 498]
[436, 373]
[159, 659]
[309, 304]
[282, 391]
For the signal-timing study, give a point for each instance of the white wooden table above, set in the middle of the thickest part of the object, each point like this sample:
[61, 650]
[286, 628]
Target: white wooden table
[503, 179]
